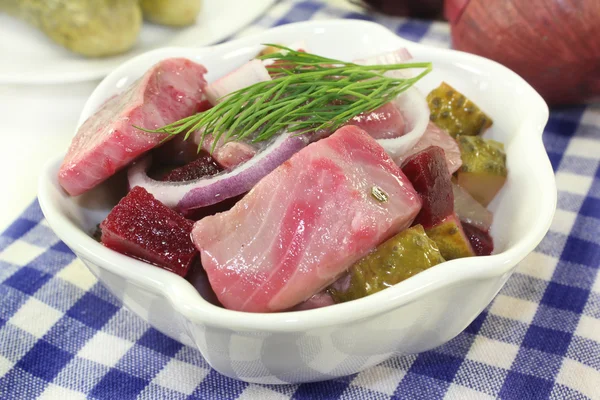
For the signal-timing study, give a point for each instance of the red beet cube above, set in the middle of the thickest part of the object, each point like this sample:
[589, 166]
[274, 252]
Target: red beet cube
[203, 166]
[481, 241]
[429, 175]
[142, 227]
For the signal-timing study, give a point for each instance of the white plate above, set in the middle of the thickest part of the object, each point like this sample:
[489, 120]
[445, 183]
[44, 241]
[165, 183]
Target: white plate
[28, 56]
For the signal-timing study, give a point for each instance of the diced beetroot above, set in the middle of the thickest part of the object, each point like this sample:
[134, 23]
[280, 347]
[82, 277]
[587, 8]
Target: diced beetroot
[481, 242]
[429, 175]
[203, 166]
[142, 227]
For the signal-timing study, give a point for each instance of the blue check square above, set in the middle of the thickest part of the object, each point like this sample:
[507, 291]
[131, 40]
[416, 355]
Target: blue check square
[436, 365]
[28, 280]
[582, 252]
[547, 340]
[44, 360]
[565, 297]
[156, 341]
[19, 228]
[92, 311]
[420, 387]
[118, 385]
[518, 386]
[217, 386]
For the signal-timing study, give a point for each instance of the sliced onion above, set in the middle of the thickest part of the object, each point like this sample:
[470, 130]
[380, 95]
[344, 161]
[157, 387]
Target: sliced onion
[415, 111]
[248, 74]
[393, 57]
[470, 210]
[412, 104]
[186, 196]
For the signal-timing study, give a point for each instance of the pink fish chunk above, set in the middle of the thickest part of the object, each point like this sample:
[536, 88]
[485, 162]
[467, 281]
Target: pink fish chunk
[435, 136]
[305, 223]
[385, 122]
[108, 141]
[228, 154]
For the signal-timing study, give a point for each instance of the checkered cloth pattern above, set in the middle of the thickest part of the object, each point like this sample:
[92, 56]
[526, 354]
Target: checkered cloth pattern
[63, 336]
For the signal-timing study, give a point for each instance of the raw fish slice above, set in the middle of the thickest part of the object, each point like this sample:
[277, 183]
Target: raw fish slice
[305, 223]
[108, 141]
[386, 122]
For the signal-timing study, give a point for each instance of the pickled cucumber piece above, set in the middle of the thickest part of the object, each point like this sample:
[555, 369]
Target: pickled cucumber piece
[483, 171]
[171, 12]
[395, 260]
[451, 239]
[93, 28]
[453, 112]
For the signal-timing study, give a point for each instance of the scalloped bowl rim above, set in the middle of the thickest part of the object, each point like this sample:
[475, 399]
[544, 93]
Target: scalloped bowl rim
[184, 297]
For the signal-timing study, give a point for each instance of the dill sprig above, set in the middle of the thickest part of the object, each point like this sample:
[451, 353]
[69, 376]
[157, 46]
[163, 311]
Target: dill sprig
[307, 93]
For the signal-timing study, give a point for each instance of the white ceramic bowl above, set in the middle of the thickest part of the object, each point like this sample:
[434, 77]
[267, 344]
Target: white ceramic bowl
[418, 314]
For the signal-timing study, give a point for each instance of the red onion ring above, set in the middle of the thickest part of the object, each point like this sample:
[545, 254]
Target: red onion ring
[187, 196]
[415, 111]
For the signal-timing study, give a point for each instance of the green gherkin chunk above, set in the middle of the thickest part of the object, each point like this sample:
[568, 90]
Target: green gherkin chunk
[171, 12]
[483, 171]
[93, 28]
[484, 156]
[451, 239]
[395, 260]
[452, 111]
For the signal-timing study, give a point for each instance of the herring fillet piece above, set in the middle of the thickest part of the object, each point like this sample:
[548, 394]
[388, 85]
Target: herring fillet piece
[305, 223]
[172, 89]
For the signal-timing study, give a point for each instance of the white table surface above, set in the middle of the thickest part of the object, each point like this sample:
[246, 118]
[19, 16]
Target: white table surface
[36, 125]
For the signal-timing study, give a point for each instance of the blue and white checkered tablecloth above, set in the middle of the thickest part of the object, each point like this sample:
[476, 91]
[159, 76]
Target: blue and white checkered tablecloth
[63, 336]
